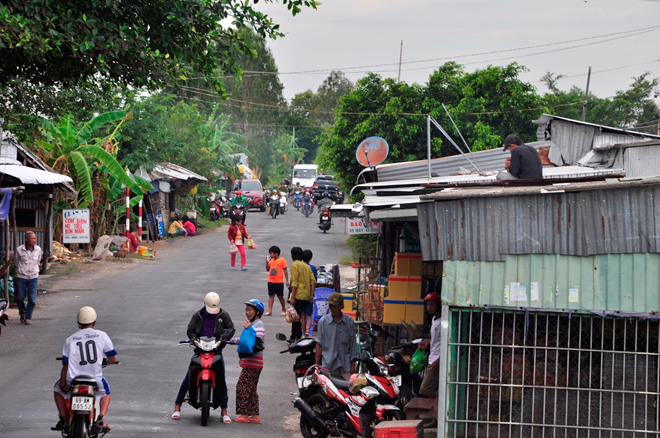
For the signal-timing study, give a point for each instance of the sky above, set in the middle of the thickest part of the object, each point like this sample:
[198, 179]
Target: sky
[619, 40]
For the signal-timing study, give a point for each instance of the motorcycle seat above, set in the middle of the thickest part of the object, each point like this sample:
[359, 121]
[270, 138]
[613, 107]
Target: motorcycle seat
[338, 382]
[84, 380]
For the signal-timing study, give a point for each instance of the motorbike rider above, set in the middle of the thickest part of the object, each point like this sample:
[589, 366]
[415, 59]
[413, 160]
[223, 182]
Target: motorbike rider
[76, 361]
[210, 321]
[271, 192]
[325, 202]
[238, 199]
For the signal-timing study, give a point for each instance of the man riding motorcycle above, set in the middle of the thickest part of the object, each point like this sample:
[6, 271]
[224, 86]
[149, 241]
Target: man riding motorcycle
[238, 199]
[210, 321]
[325, 202]
[80, 356]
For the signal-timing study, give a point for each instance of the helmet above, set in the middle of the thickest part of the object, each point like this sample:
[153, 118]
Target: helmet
[238, 192]
[256, 304]
[433, 296]
[212, 302]
[326, 194]
[356, 383]
[395, 358]
[270, 188]
[86, 315]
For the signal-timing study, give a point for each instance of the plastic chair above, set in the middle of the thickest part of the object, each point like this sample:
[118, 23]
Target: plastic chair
[320, 305]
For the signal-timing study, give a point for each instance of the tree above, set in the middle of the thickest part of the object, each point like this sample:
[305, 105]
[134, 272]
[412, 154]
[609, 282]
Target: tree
[133, 42]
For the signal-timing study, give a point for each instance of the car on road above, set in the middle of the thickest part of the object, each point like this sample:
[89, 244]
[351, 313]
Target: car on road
[326, 183]
[253, 191]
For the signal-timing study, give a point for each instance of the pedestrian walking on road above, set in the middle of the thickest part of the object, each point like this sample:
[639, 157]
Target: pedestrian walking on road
[302, 292]
[278, 277]
[237, 235]
[27, 258]
[247, 399]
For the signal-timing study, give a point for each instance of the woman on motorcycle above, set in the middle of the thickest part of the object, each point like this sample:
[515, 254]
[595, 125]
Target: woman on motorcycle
[247, 399]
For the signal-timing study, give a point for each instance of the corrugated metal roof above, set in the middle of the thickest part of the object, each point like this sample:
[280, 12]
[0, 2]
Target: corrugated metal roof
[489, 226]
[174, 171]
[30, 175]
[618, 282]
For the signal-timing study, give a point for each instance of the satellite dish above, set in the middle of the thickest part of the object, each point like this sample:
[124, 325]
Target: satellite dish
[372, 151]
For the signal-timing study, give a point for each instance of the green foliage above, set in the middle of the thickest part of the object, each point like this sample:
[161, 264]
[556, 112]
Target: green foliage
[137, 43]
[76, 151]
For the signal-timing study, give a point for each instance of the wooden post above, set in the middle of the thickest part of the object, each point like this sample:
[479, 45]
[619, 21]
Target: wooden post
[6, 259]
[47, 234]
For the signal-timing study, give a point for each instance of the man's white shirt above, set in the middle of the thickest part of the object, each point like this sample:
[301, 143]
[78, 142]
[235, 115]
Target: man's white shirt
[84, 351]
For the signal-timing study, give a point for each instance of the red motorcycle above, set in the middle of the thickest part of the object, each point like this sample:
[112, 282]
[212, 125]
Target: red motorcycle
[206, 368]
[329, 405]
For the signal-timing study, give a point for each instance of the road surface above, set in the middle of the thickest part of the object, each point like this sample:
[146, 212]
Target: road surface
[145, 308]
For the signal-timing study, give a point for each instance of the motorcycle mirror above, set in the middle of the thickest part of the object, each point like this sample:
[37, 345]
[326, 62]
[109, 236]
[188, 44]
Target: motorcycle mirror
[280, 336]
[417, 340]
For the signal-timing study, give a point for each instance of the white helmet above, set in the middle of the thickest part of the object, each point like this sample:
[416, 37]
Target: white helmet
[86, 315]
[212, 302]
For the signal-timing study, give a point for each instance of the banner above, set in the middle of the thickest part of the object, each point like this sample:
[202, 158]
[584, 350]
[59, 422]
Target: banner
[356, 225]
[76, 226]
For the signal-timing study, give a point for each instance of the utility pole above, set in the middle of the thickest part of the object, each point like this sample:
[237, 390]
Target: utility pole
[400, 58]
[586, 97]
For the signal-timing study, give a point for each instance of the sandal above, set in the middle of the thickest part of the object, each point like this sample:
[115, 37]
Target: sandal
[226, 419]
[268, 313]
[255, 420]
[242, 420]
[22, 318]
[27, 322]
[283, 313]
[176, 415]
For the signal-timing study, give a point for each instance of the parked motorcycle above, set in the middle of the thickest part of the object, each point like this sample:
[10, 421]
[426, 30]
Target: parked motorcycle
[305, 348]
[81, 408]
[329, 405]
[216, 208]
[307, 205]
[398, 366]
[3, 318]
[203, 374]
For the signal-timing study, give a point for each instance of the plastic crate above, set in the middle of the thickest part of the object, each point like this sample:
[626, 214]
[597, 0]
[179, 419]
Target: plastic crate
[399, 429]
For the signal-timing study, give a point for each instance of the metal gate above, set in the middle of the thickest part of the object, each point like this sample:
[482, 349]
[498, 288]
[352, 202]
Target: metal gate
[545, 374]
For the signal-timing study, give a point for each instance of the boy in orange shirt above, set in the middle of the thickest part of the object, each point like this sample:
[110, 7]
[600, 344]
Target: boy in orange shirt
[278, 276]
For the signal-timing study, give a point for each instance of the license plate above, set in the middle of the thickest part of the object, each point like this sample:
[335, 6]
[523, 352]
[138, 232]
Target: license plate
[324, 218]
[81, 404]
[212, 208]
[396, 380]
[303, 383]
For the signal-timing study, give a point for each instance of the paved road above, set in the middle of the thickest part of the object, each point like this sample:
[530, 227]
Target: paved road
[145, 308]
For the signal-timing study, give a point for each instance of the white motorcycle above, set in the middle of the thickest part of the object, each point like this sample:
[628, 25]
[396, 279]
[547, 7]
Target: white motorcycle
[284, 205]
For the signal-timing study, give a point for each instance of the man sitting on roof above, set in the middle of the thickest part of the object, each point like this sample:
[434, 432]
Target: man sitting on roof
[524, 162]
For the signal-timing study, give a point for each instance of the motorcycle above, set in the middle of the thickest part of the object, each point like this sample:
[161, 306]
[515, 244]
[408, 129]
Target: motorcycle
[238, 211]
[325, 404]
[283, 203]
[398, 366]
[215, 209]
[329, 405]
[324, 221]
[307, 205]
[81, 408]
[3, 318]
[274, 205]
[202, 393]
[297, 199]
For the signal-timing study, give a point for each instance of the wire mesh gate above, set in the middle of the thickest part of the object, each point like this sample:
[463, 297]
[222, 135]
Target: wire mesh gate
[534, 374]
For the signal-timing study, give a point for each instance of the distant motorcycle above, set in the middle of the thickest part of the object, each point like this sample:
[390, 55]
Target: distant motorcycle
[297, 199]
[324, 221]
[238, 212]
[307, 206]
[274, 203]
[283, 203]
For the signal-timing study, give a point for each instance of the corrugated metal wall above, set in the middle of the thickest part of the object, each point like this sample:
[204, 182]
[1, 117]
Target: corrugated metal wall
[642, 161]
[617, 282]
[612, 221]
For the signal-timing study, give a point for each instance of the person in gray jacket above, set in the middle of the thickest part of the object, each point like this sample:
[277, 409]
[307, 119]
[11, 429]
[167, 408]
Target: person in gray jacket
[27, 258]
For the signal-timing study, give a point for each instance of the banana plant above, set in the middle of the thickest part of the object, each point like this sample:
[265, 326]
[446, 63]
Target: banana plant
[78, 152]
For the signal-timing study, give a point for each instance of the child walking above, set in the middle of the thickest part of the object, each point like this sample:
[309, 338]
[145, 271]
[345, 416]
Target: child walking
[278, 277]
[247, 399]
[237, 235]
